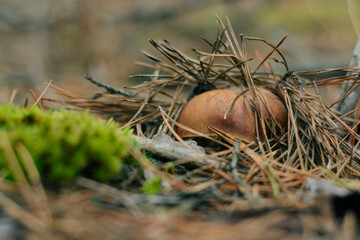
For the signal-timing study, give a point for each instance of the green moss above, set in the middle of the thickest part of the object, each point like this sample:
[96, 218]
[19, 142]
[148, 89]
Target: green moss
[66, 144]
[152, 186]
[170, 168]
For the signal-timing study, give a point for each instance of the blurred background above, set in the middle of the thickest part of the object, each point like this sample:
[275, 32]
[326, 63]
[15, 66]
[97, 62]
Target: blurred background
[61, 40]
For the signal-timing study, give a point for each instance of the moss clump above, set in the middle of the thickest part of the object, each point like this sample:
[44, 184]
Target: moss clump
[152, 186]
[66, 144]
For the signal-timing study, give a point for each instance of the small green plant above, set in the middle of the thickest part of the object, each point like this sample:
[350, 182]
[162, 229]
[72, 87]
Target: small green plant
[152, 185]
[170, 168]
[65, 144]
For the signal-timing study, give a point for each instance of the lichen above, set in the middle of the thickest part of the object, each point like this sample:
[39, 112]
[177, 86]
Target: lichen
[65, 144]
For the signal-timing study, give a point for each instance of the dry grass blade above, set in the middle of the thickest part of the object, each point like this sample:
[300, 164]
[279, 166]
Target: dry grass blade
[267, 56]
[42, 94]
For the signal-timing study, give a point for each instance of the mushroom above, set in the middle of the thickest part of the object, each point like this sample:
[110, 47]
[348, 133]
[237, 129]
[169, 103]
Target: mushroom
[208, 110]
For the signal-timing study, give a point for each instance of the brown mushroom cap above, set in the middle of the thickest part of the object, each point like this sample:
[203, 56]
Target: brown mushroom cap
[208, 109]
